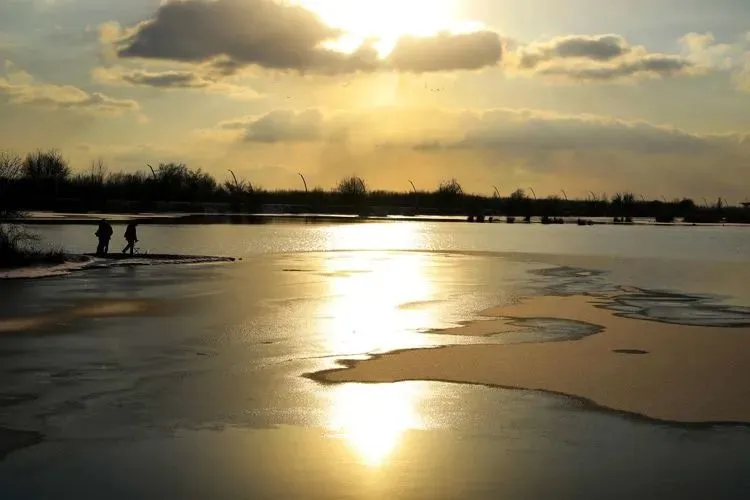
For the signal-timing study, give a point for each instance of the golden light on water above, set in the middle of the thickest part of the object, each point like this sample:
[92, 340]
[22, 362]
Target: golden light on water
[374, 290]
[373, 311]
[373, 418]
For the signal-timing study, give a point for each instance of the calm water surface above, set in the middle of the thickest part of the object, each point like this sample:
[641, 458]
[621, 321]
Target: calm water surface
[713, 243]
[201, 395]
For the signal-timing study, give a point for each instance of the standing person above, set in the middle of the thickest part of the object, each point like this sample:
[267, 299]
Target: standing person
[131, 236]
[104, 234]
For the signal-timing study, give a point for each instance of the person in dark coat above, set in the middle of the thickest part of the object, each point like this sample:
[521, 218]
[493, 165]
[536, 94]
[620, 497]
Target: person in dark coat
[104, 234]
[131, 236]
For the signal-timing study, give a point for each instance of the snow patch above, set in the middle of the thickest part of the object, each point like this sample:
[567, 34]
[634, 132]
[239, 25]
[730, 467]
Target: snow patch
[83, 262]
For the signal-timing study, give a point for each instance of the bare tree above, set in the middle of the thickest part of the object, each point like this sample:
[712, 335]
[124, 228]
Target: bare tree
[98, 171]
[11, 165]
[352, 186]
[47, 165]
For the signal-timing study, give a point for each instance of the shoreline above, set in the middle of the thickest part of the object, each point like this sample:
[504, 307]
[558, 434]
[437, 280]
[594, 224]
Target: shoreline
[686, 375]
[169, 218]
[84, 262]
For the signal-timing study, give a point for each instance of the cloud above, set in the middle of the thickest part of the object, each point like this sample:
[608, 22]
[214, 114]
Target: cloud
[232, 34]
[249, 32]
[598, 58]
[742, 75]
[20, 88]
[446, 52]
[512, 147]
[528, 132]
[164, 79]
[281, 126]
[703, 50]
[648, 65]
[170, 80]
[596, 48]
[733, 57]
[519, 130]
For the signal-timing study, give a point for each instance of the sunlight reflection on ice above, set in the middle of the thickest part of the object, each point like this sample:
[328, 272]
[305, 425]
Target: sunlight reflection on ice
[373, 418]
[366, 317]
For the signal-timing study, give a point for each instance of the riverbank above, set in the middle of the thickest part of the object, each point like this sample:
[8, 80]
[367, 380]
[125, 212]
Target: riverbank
[54, 218]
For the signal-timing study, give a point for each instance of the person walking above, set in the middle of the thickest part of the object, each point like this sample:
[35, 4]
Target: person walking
[104, 234]
[131, 236]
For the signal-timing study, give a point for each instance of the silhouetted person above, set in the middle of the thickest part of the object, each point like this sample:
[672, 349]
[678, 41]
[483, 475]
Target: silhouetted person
[131, 236]
[104, 234]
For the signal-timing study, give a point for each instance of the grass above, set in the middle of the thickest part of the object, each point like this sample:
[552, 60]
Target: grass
[19, 248]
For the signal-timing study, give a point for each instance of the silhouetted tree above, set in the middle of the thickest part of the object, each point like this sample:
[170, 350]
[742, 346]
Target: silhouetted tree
[518, 195]
[46, 165]
[11, 166]
[175, 181]
[98, 171]
[352, 186]
[518, 203]
[450, 188]
[11, 170]
[352, 192]
[623, 204]
[449, 195]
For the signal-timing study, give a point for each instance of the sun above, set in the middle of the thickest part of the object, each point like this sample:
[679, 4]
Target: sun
[385, 20]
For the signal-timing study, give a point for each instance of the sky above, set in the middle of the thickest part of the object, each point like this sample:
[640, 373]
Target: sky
[647, 96]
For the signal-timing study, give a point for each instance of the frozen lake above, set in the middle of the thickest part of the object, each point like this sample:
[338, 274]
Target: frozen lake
[172, 381]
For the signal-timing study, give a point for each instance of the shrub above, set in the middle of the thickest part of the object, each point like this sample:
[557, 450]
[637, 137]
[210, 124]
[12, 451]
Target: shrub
[352, 186]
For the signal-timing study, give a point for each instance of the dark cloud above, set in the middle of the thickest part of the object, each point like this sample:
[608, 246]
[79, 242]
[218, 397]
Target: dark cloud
[650, 65]
[598, 58]
[446, 52]
[166, 79]
[231, 34]
[241, 32]
[201, 78]
[595, 48]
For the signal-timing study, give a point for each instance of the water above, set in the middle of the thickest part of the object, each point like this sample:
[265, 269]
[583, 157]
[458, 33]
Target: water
[201, 394]
[710, 243]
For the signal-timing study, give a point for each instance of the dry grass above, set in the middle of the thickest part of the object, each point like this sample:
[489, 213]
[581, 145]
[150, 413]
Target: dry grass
[20, 248]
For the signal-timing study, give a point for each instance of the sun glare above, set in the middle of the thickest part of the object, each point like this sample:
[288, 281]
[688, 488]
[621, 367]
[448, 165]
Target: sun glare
[385, 20]
[373, 418]
[361, 318]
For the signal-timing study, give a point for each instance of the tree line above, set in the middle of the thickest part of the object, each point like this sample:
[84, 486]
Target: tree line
[44, 180]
